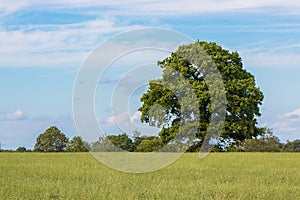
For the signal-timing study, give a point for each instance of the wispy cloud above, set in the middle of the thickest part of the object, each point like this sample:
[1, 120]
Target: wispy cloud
[125, 118]
[270, 60]
[294, 114]
[270, 54]
[13, 116]
[60, 45]
[67, 44]
[150, 7]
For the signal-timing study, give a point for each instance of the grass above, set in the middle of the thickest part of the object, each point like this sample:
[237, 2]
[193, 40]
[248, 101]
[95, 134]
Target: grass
[218, 176]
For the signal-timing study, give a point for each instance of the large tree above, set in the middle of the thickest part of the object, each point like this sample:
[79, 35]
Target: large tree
[52, 140]
[243, 97]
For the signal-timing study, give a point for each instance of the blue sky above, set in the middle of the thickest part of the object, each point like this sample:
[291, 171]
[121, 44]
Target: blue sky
[42, 46]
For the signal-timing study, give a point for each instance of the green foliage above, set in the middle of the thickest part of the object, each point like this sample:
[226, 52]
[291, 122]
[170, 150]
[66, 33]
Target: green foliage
[104, 145]
[52, 140]
[113, 143]
[292, 146]
[122, 141]
[21, 149]
[117, 143]
[77, 145]
[218, 176]
[243, 96]
[149, 145]
[232, 148]
[140, 145]
[87, 145]
[217, 149]
[267, 142]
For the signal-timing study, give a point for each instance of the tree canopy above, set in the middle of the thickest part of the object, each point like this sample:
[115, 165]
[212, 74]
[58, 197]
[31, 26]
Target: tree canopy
[76, 144]
[266, 142]
[52, 140]
[122, 142]
[292, 146]
[113, 143]
[243, 97]
[21, 149]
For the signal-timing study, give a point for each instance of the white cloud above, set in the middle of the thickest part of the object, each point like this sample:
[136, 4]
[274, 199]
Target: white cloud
[123, 118]
[269, 59]
[69, 44]
[286, 126]
[294, 114]
[269, 54]
[129, 123]
[13, 116]
[7, 7]
[110, 120]
[53, 45]
[136, 116]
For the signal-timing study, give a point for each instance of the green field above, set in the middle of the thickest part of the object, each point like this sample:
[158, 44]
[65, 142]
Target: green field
[218, 176]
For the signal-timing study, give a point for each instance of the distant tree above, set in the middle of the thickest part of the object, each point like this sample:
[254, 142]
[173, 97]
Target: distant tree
[267, 142]
[103, 145]
[52, 140]
[21, 149]
[137, 138]
[292, 146]
[252, 145]
[149, 145]
[121, 141]
[113, 143]
[76, 144]
[87, 145]
[140, 138]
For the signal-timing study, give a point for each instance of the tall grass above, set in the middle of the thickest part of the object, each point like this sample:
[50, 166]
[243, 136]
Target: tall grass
[218, 176]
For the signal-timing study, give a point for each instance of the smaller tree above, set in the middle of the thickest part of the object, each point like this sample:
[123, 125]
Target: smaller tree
[267, 142]
[122, 141]
[21, 149]
[149, 145]
[252, 145]
[293, 146]
[52, 140]
[138, 139]
[113, 143]
[103, 145]
[76, 144]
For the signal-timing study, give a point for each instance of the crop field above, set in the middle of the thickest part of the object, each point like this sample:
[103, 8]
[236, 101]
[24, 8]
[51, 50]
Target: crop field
[217, 176]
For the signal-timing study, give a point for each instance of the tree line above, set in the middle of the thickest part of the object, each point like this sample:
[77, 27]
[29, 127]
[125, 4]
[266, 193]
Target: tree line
[265, 142]
[53, 140]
